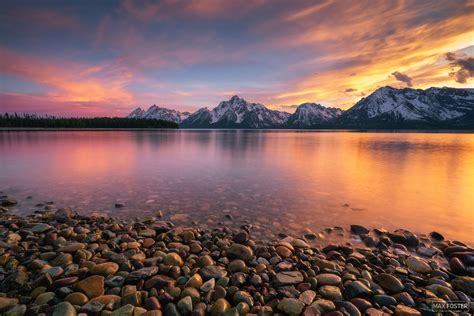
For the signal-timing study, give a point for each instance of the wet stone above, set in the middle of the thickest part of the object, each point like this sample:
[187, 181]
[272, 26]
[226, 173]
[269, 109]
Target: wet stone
[64, 309]
[402, 310]
[210, 272]
[238, 251]
[289, 277]
[330, 292]
[92, 286]
[307, 297]
[328, 279]
[291, 306]
[390, 283]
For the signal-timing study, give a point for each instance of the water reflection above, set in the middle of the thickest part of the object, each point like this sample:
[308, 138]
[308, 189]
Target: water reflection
[418, 181]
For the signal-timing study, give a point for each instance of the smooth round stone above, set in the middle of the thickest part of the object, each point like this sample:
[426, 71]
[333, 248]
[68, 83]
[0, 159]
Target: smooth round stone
[374, 312]
[361, 304]
[289, 277]
[208, 285]
[330, 292]
[173, 259]
[6, 302]
[283, 252]
[435, 236]
[40, 228]
[311, 311]
[356, 289]
[350, 308]
[241, 237]
[77, 298]
[64, 309]
[464, 284]
[105, 269]
[291, 306]
[418, 265]
[242, 296]
[17, 310]
[238, 251]
[152, 303]
[457, 266]
[307, 297]
[107, 300]
[191, 292]
[140, 274]
[210, 272]
[220, 307]
[236, 265]
[92, 286]
[185, 305]
[45, 298]
[384, 300]
[63, 259]
[195, 281]
[324, 306]
[390, 283]
[299, 243]
[402, 310]
[205, 261]
[359, 230]
[72, 247]
[243, 308]
[126, 310]
[219, 292]
[328, 279]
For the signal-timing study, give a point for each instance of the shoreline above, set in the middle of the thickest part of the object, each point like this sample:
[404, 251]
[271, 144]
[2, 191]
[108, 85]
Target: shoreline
[58, 262]
[306, 130]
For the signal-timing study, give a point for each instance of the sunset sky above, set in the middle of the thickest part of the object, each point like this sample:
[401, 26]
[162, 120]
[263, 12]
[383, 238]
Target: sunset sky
[107, 57]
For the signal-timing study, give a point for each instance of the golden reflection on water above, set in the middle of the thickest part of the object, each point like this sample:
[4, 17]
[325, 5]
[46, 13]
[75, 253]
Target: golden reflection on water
[418, 181]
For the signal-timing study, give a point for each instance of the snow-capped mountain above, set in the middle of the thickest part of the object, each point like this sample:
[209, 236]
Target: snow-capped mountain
[312, 115]
[388, 107]
[236, 113]
[159, 113]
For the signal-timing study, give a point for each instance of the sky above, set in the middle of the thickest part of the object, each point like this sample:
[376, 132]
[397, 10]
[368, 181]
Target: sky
[104, 58]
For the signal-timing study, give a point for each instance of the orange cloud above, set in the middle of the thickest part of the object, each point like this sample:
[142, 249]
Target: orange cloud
[70, 82]
[371, 40]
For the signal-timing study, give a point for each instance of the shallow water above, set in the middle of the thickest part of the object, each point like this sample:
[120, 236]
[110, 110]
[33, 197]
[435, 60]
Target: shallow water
[281, 180]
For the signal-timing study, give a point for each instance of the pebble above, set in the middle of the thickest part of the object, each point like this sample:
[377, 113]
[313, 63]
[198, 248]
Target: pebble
[418, 265]
[64, 309]
[238, 251]
[289, 277]
[390, 283]
[328, 279]
[92, 286]
[402, 310]
[291, 306]
[61, 263]
[330, 292]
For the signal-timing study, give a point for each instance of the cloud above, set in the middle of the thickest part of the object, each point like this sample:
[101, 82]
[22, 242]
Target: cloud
[403, 78]
[465, 65]
[70, 82]
[348, 90]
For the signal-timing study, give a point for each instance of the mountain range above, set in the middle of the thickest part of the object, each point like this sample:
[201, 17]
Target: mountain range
[385, 108]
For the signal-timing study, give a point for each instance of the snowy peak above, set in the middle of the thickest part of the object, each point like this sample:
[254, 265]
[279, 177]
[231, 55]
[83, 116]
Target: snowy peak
[159, 113]
[393, 105]
[137, 113]
[237, 113]
[312, 115]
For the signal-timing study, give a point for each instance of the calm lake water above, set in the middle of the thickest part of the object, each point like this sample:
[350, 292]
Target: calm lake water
[281, 180]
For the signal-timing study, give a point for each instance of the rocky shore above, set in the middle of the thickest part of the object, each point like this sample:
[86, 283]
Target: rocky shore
[57, 262]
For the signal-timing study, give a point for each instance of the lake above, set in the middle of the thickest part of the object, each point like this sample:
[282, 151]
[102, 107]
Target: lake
[279, 180]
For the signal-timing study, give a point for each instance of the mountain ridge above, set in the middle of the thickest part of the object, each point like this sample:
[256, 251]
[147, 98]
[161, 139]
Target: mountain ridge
[385, 108]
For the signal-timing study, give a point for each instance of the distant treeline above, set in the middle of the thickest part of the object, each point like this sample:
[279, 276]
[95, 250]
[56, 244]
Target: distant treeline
[35, 121]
